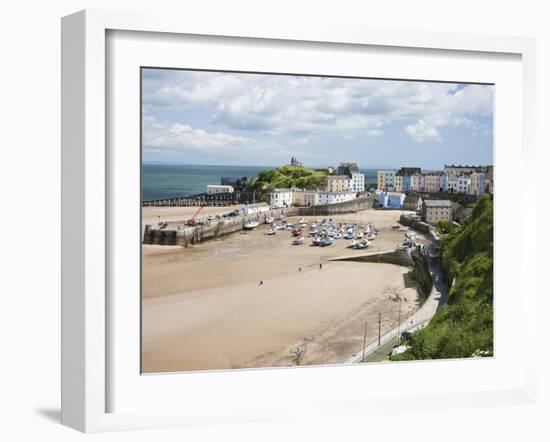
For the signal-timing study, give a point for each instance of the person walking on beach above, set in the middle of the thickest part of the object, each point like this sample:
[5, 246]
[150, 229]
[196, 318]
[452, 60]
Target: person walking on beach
[300, 268]
[261, 282]
[320, 266]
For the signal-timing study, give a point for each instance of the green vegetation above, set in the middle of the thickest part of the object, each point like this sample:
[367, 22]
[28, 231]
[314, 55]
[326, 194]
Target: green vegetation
[420, 274]
[445, 226]
[461, 199]
[465, 327]
[286, 177]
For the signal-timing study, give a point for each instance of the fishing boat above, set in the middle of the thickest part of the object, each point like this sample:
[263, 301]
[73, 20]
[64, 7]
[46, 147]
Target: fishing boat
[316, 241]
[270, 231]
[337, 235]
[371, 236]
[363, 244]
[395, 226]
[298, 241]
[249, 225]
[296, 232]
[349, 234]
[353, 244]
[313, 232]
[360, 235]
[325, 242]
[269, 220]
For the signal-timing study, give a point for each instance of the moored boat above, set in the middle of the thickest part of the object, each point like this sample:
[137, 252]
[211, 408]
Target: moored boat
[249, 225]
[363, 244]
[316, 241]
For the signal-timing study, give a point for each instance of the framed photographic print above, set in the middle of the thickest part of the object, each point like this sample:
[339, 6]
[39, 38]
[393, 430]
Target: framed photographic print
[251, 213]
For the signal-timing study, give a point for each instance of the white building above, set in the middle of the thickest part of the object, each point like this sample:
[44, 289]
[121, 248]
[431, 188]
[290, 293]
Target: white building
[212, 189]
[463, 184]
[336, 197]
[456, 171]
[436, 210]
[390, 200]
[357, 182]
[280, 197]
[417, 182]
[252, 209]
[452, 184]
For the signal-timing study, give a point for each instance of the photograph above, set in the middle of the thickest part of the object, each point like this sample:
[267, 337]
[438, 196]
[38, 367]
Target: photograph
[298, 220]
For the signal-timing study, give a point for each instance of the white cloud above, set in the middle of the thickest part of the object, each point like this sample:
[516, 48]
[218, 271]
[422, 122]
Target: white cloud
[305, 107]
[422, 131]
[175, 135]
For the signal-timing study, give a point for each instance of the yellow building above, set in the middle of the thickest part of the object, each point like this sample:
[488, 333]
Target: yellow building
[398, 183]
[338, 183]
[305, 198]
[385, 180]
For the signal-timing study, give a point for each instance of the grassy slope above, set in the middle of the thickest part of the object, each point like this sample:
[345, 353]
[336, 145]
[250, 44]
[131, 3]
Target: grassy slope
[286, 177]
[466, 325]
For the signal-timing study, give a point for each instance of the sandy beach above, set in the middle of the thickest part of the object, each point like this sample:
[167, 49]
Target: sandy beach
[204, 308]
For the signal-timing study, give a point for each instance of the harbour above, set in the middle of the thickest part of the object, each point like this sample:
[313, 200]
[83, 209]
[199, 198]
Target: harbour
[254, 297]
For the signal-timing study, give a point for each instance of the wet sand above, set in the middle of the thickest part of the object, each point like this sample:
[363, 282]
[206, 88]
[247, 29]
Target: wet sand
[204, 309]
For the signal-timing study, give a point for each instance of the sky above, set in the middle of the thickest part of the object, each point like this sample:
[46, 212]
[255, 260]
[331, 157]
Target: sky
[219, 118]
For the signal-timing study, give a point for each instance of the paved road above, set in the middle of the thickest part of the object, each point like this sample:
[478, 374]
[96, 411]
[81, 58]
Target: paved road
[436, 300]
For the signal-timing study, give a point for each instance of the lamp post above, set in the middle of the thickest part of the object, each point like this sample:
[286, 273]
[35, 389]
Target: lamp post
[364, 342]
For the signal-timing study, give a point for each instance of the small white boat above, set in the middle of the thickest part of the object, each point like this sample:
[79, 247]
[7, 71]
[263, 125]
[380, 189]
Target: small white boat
[270, 231]
[249, 225]
[361, 245]
[360, 235]
[298, 241]
[316, 241]
[269, 220]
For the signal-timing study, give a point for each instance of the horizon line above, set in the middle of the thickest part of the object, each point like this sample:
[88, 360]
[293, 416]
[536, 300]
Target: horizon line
[165, 163]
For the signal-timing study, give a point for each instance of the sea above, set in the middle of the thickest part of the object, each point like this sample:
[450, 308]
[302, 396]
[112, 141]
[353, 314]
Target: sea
[160, 181]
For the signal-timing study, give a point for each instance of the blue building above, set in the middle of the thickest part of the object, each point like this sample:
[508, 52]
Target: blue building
[390, 200]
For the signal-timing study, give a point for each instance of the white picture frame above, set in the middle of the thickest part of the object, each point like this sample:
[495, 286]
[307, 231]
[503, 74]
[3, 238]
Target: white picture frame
[86, 352]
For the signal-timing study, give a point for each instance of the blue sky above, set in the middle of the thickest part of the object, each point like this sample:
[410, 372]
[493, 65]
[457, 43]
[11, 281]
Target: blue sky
[197, 117]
